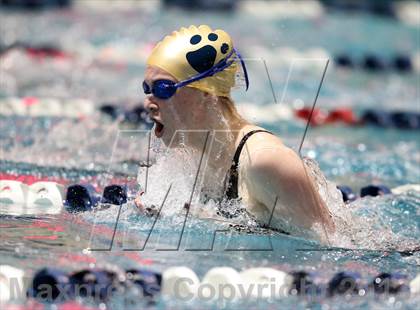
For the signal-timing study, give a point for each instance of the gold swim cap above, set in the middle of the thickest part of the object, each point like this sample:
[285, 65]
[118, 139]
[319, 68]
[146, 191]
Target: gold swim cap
[193, 50]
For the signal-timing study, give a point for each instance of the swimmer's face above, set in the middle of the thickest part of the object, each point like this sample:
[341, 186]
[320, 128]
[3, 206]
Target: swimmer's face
[183, 111]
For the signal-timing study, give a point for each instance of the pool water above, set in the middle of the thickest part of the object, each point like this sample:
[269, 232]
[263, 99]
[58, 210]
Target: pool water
[99, 150]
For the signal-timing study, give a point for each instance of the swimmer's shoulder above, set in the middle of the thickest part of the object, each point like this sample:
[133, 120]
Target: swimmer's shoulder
[265, 153]
[260, 141]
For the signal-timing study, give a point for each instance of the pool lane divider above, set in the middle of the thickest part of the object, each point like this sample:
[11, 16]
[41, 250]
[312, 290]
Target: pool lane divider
[182, 283]
[97, 284]
[76, 108]
[370, 117]
[81, 108]
[9, 276]
[374, 190]
[46, 197]
[401, 63]
[47, 107]
[369, 190]
[84, 197]
[119, 58]
[17, 198]
[29, 173]
[112, 195]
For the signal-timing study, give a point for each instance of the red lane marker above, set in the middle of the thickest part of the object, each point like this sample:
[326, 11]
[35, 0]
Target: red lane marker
[56, 228]
[30, 179]
[344, 115]
[318, 116]
[42, 53]
[50, 227]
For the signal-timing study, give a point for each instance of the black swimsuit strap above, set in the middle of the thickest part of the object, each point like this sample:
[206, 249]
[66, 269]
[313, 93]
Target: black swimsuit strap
[232, 185]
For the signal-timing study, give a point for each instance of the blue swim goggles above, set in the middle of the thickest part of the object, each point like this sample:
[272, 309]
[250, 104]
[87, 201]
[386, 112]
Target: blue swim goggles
[165, 89]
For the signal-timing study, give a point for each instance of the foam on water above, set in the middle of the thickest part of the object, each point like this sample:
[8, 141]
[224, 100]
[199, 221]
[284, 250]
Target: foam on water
[77, 143]
[108, 50]
[367, 223]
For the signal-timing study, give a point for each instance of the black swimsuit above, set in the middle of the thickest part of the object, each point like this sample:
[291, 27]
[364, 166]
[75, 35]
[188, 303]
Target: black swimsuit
[231, 187]
[231, 191]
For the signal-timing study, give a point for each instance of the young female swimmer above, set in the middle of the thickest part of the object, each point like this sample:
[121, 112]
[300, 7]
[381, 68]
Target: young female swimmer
[188, 80]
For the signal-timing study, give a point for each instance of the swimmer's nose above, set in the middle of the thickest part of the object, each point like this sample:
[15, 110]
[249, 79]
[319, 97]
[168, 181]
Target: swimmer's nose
[151, 106]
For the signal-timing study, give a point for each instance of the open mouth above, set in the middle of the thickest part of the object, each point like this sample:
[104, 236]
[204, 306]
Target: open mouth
[158, 128]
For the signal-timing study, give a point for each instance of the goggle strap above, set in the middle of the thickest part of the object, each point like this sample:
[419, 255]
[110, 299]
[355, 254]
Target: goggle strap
[213, 70]
[244, 68]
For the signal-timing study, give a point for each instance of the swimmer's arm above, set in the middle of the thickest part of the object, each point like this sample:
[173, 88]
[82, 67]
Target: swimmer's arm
[280, 174]
[142, 208]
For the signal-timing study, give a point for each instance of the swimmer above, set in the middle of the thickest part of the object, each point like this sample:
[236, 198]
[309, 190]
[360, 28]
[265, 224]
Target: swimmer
[188, 80]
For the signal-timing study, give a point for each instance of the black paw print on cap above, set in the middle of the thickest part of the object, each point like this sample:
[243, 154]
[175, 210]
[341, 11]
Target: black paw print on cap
[203, 58]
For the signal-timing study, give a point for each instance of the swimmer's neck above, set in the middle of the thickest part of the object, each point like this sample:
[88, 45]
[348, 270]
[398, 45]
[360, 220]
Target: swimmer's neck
[224, 128]
[224, 141]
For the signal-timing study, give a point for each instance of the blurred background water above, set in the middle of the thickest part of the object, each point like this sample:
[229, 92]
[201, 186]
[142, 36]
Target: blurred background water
[286, 45]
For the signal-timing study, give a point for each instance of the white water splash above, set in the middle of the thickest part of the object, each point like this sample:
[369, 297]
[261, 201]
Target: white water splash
[360, 224]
